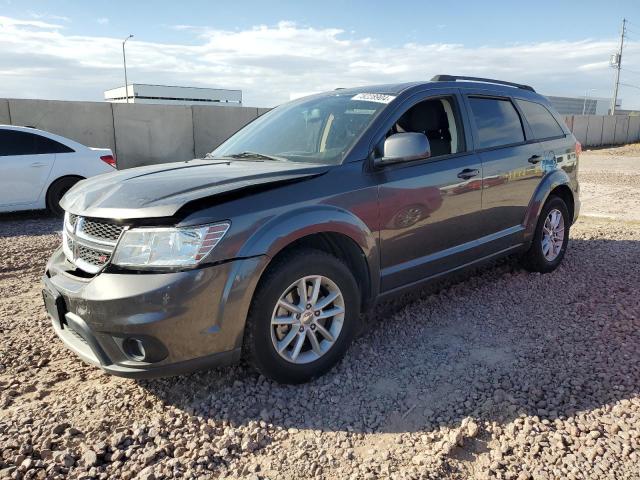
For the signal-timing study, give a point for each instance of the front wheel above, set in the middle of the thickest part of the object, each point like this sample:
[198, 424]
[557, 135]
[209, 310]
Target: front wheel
[550, 239]
[303, 316]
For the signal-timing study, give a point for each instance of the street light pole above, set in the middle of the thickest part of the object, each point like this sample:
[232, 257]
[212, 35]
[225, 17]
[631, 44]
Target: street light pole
[124, 60]
[586, 95]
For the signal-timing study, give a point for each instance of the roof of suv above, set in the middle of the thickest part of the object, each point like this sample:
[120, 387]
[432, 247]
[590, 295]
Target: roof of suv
[440, 81]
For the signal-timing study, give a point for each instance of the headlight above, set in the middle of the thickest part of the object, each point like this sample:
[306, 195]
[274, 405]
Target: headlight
[167, 247]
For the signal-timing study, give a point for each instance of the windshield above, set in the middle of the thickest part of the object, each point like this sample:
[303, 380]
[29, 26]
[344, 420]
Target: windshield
[316, 130]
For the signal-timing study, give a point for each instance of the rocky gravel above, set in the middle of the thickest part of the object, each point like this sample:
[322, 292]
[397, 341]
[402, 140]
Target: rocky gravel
[505, 374]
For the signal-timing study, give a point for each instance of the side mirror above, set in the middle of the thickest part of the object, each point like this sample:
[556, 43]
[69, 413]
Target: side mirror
[405, 147]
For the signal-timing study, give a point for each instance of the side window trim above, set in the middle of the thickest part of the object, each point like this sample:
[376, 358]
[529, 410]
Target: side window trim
[401, 108]
[526, 131]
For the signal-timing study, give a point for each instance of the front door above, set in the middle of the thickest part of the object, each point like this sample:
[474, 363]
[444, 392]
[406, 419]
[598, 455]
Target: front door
[24, 169]
[429, 209]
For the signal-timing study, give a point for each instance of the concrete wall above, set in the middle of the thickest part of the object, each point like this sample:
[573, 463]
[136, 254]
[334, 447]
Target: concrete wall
[213, 125]
[138, 134]
[149, 134]
[597, 130]
[5, 119]
[633, 134]
[90, 123]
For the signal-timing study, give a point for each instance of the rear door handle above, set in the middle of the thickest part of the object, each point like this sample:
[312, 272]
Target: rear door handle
[38, 164]
[468, 173]
[534, 159]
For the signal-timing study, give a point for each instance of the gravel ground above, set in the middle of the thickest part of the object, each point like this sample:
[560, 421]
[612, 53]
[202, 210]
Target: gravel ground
[506, 374]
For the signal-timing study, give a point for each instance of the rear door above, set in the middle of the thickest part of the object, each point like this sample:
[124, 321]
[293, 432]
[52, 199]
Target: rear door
[429, 208]
[512, 167]
[558, 150]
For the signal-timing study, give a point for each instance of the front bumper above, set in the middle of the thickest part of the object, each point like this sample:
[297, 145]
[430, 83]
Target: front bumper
[186, 320]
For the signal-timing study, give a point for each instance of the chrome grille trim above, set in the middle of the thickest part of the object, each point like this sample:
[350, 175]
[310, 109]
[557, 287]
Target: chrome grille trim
[89, 244]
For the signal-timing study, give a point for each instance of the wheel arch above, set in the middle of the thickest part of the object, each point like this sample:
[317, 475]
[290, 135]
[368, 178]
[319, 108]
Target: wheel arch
[329, 229]
[555, 183]
[58, 179]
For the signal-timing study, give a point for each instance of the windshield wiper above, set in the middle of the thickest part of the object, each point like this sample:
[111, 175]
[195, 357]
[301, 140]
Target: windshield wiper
[255, 155]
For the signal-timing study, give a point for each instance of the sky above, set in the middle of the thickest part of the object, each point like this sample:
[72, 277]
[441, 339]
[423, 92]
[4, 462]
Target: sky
[273, 51]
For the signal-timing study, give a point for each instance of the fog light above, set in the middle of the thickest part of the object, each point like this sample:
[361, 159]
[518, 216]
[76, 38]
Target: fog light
[134, 348]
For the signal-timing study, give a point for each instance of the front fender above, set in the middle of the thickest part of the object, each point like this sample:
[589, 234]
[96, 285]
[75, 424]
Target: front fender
[284, 229]
[549, 182]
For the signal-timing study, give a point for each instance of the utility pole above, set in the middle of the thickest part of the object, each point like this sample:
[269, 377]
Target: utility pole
[616, 62]
[124, 60]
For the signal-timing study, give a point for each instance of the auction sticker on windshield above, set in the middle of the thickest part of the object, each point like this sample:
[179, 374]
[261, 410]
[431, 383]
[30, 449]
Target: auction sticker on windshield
[373, 97]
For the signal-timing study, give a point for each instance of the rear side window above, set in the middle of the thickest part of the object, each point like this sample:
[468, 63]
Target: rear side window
[47, 145]
[14, 142]
[497, 121]
[540, 120]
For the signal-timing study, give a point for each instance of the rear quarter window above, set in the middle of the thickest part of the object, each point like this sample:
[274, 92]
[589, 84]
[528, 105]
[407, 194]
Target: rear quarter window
[540, 120]
[497, 122]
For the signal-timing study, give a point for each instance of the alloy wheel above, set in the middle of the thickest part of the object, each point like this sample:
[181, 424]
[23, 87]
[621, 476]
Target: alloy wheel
[553, 235]
[307, 320]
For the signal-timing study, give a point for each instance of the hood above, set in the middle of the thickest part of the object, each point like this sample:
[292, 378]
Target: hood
[161, 190]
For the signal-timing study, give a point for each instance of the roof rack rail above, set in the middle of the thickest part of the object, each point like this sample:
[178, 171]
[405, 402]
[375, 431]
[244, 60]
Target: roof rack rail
[453, 78]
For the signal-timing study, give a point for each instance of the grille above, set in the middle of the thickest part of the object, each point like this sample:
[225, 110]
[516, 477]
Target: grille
[91, 256]
[90, 243]
[101, 230]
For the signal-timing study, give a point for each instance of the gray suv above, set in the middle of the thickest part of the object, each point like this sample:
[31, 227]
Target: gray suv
[270, 247]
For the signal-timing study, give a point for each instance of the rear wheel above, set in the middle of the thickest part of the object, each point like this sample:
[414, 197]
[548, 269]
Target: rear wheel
[550, 238]
[303, 317]
[56, 192]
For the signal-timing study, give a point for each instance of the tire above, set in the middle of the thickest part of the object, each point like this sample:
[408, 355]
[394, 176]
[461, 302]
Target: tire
[536, 260]
[262, 336]
[56, 192]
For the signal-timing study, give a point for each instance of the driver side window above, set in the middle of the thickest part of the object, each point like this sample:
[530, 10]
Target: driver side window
[439, 120]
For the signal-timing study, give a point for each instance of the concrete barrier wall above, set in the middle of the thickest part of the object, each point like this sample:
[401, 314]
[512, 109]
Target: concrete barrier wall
[5, 119]
[594, 130]
[90, 123]
[580, 125]
[622, 129]
[633, 135]
[149, 134]
[213, 125]
[598, 130]
[138, 134]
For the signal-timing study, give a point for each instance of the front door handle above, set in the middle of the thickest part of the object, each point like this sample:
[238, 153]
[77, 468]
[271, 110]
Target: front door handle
[534, 159]
[468, 173]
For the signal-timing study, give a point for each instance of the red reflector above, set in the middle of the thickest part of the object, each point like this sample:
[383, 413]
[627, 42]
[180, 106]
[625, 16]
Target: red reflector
[578, 148]
[109, 159]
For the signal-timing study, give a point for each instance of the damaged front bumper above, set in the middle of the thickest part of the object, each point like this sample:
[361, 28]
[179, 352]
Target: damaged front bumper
[152, 324]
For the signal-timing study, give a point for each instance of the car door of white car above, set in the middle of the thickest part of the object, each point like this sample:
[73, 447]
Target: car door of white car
[26, 160]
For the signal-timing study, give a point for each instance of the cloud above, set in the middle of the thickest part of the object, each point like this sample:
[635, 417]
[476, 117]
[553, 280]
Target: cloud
[103, 21]
[47, 16]
[271, 62]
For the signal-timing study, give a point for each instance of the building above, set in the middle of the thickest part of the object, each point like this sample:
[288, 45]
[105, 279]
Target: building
[581, 105]
[169, 95]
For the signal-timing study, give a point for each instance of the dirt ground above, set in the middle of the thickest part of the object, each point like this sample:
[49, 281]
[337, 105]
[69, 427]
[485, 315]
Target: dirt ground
[506, 374]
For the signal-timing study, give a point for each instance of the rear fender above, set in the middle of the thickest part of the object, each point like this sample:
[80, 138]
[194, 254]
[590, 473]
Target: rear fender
[549, 182]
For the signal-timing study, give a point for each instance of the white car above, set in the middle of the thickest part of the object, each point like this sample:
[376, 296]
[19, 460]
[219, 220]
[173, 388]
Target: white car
[37, 168]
